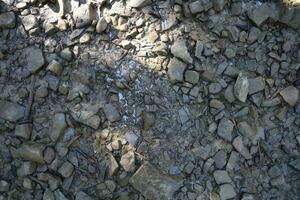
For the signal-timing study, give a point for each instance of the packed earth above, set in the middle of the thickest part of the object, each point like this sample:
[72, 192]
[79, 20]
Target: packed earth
[144, 99]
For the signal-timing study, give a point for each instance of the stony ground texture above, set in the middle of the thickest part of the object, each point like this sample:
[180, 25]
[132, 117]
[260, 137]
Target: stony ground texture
[144, 99]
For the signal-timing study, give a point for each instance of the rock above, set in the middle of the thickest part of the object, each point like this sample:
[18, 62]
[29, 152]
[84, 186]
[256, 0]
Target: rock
[220, 159]
[4, 186]
[101, 25]
[180, 50]
[26, 168]
[49, 155]
[113, 165]
[175, 70]
[55, 67]
[154, 185]
[241, 88]
[199, 49]
[230, 51]
[85, 38]
[290, 95]
[48, 195]
[229, 94]
[148, 120]
[66, 54]
[246, 130]
[191, 76]
[7, 20]
[23, 130]
[132, 138]
[82, 15]
[256, 85]
[239, 146]
[58, 126]
[66, 169]
[295, 164]
[225, 129]
[111, 113]
[227, 192]
[253, 35]
[81, 195]
[87, 114]
[34, 59]
[29, 22]
[128, 161]
[169, 22]
[31, 151]
[139, 3]
[59, 195]
[214, 88]
[261, 14]
[221, 177]
[219, 4]
[196, 7]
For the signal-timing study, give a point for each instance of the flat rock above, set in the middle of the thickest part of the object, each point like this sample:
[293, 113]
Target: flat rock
[148, 120]
[221, 177]
[29, 22]
[154, 185]
[241, 88]
[23, 130]
[246, 130]
[295, 164]
[227, 192]
[31, 151]
[219, 4]
[179, 49]
[256, 85]
[111, 112]
[34, 59]
[66, 169]
[240, 147]
[139, 3]
[225, 129]
[176, 69]
[191, 76]
[261, 14]
[290, 95]
[58, 126]
[11, 111]
[7, 20]
[128, 161]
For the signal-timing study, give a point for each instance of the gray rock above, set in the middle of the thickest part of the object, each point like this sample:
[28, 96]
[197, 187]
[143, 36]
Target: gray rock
[230, 51]
[246, 130]
[232, 161]
[82, 196]
[58, 126]
[219, 4]
[66, 54]
[148, 120]
[154, 185]
[59, 195]
[23, 130]
[196, 7]
[55, 67]
[225, 129]
[113, 165]
[101, 25]
[256, 85]
[199, 49]
[238, 144]
[261, 14]
[295, 164]
[241, 88]
[227, 192]
[34, 59]
[66, 169]
[111, 113]
[169, 22]
[139, 3]
[229, 94]
[221, 177]
[191, 76]
[11, 111]
[48, 195]
[220, 159]
[128, 161]
[49, 155]
[29, 22]
[7, 20]
[4, 186]
[31, 151]
[253, 35]
[214, 88]
[82, 15]
[175, 70]
[290, 95]
[26, 168]
[202, 152]
[180, 50]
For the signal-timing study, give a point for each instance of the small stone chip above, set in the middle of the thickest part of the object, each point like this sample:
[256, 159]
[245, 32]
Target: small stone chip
[241, 88]
[290, 95]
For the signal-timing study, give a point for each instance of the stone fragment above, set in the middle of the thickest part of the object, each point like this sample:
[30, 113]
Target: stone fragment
[58, 126]
[199, 49]
[227, 192]
[179, 49]
[220, 159]
[111, 112]
[154, 185]
[290, 95]
[239, 146]
[4, 186]
[229, 94]
[225, 129]
[66, 54]
[246, 130]
[48, 195]
[175, 70]
[214, 88]
[232, 161]
[261, 14]
[230, 51]
[82, 15]
[7, 20]
[256, 85]
[82, 196]
[66, 169]
[139, 3]
[221, 177]
[34, 59]
[23, 130]
[128, 161]
[101, 25]
[241, 88]
[295, 164]
[49, 155]
[196, 7]
[55, 67]
[59, 195]
[219, 4]
[113, 165]
[31, 151]
[253, 35]
[191, 76]
[29, 22]
[148, 120]
[26, 168]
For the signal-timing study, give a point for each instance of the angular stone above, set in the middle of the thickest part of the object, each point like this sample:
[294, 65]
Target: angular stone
[101, 25]
[239, 146]
[219, 4]
[55, 67]
[34, 59]
[261, 14]
[4, 186]
[82, 15]
[111, 113]
[256, 85]
[295, 164]
[48, 195]
[191, 76]
[214, 88]
[253, 35]
[128, 161]
[31, 151]
[180, 50]
[225, 129]
[227, 192]
[175, 70]
[241, 88]
[139, 3]
[221, 177]
[113, 165]
[66, 169]
[58, 126]
[230, 51]
[82, 196]
[196, 7]
[220, 159]
[246, 130]
[290, 95]
[26, 168]
[66, 54]
[148, 120]
[23, 130]
[11, 111]
[154, 185]
[199, 49]
[29, 22]
[7, 20]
